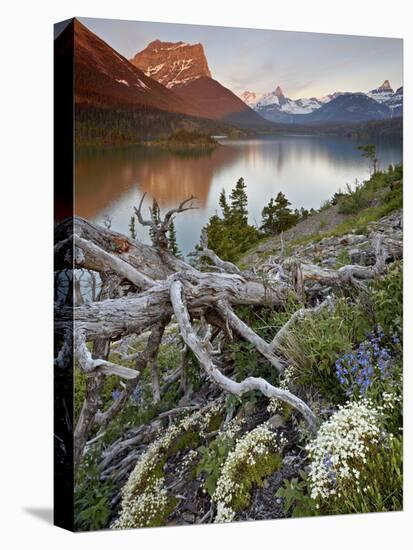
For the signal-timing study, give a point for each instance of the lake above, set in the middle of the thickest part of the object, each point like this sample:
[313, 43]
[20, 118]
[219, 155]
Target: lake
[307, 169]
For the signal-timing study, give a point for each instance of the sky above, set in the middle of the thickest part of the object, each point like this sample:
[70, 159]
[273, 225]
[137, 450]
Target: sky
[303, 64]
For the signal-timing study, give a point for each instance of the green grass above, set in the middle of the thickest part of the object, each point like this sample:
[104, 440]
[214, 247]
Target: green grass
[357, 223]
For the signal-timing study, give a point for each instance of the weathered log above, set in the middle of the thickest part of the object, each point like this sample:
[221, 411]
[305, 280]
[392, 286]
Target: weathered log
[98, 259]
[138, 313]
[145, 258]
[236, 388]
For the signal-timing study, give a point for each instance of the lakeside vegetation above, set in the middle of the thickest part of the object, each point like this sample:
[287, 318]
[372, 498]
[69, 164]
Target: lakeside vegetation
[369, 130]
[118, 126]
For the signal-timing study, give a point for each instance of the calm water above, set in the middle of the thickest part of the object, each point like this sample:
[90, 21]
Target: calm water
[307, 169]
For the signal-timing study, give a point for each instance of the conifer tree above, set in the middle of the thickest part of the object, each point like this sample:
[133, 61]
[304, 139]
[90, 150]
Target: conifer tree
[223, 203]
[370, 152]
[172, 241]
[156, 216]
[132, 227]
[231, 235]
[239, 202]
[277, 216]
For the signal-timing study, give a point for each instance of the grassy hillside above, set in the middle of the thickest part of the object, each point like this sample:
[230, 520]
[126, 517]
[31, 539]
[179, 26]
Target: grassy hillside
[351, 212]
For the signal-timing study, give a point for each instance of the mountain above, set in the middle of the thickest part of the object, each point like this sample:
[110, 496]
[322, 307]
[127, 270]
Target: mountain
[172, 63]
[104, 78]
[396, 102]
[382, 102]
[385, 88]
[250, 98]
[385, 95]
[329, 97]
[277, 107]
[183, 68]
[215, 101]
[348, 107]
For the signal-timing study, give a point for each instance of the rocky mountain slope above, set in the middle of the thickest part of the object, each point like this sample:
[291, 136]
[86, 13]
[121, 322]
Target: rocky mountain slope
[173, 64]
[103, 77]
[348, 107]
[385, 95]
[302, 240]
[183, 68]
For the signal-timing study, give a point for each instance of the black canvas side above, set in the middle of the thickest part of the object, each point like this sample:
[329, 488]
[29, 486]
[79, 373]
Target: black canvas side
[63, 219]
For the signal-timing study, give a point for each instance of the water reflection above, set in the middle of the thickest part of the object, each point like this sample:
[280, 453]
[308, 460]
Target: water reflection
[104, 175]
[308, 169]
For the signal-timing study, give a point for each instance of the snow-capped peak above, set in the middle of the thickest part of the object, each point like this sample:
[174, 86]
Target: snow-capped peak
[278, 92]
[276, 100]
[384, 88]
[172, 63]
[250, 98]
[276, 104]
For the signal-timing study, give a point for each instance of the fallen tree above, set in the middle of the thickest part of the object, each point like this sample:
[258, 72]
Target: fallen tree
[144, 287]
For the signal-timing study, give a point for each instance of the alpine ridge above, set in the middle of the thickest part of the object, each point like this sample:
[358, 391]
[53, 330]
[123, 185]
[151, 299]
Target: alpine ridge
[381, 102]
[172, 64]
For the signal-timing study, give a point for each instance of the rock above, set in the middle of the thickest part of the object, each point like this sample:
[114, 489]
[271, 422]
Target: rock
[351, 239]
[355, 255]
[276, 421]
[189, 518]
[329, 262]
[289, 460]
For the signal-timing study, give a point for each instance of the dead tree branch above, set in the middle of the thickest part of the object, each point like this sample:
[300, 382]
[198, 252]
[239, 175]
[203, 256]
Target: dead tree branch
[248, 334]
[160, 228]
[205, 252]
[299, 314]
[147, 356]
[236, 388]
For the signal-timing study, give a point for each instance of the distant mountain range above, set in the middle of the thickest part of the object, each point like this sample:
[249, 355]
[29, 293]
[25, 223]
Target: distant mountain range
[380, 103]
[169, 85]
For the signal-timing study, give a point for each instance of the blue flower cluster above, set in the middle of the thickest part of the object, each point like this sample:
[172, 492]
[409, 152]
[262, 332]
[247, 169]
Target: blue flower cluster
[358, 369]
[116, 394]
[328, 466]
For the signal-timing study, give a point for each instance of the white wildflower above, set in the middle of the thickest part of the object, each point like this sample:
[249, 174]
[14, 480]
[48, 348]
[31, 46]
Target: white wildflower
[256, 443]
[342, 442]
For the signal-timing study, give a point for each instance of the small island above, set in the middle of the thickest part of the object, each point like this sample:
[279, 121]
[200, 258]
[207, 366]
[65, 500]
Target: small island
[187, 141]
